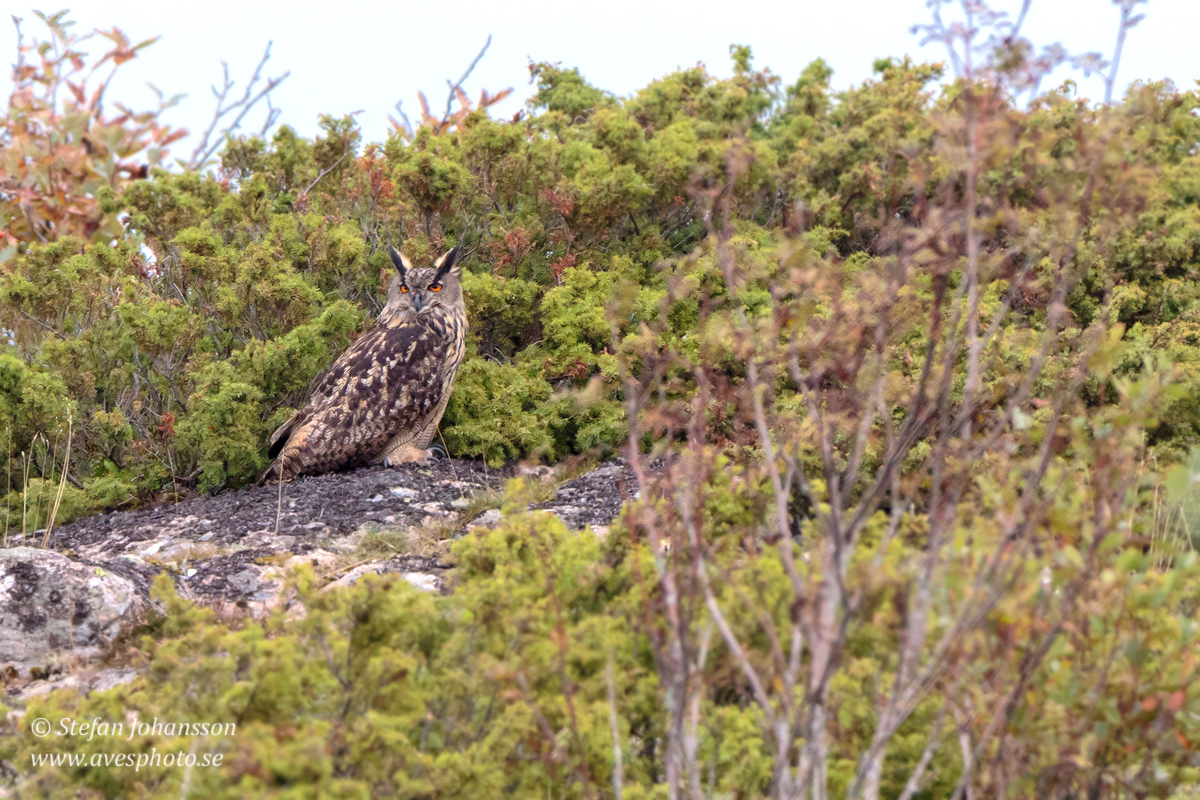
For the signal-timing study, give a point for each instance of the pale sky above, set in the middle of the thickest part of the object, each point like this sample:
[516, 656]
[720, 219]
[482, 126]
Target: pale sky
[367, 55]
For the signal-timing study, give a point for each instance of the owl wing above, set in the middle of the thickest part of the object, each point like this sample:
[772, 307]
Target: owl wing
[385, 383]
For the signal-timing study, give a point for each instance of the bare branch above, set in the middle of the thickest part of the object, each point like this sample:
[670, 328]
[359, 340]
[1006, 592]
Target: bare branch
[403, 125]
[456, 87]
[917, 777]
[242, 106]
[1128, 21]
[325, 172]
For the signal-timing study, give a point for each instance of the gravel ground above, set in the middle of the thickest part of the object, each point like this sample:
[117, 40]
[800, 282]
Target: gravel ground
[312, 507]
[596, 497]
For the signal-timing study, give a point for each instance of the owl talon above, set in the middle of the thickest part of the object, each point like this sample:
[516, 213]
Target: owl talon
[437, 452]
[405, 454]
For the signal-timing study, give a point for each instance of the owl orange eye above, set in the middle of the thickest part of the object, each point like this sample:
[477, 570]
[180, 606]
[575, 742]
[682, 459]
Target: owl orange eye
[435, 287]
[403, 289]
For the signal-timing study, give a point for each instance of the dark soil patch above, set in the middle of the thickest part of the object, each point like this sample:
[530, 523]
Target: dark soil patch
[335, 504]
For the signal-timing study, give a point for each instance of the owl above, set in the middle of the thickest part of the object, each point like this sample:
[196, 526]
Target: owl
[382, 399]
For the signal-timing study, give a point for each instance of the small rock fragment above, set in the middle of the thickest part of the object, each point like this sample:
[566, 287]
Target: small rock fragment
[424, 581]
[488, 519]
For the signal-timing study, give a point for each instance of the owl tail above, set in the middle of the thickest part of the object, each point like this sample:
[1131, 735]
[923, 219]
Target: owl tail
[275, 450]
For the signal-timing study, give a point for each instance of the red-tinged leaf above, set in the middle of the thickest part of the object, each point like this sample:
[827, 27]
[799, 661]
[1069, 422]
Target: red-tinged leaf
[1176, 701]
[463, 100]
[1183, 740]
[1149, 704]
[166, 427]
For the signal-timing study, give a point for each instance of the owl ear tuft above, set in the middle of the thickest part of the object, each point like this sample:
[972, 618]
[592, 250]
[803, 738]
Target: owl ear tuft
[448, 263]
[401, 263]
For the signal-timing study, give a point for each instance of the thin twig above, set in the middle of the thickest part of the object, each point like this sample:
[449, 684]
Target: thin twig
[325, 172]
[62, 482]
[462, 495]
[457, 85]
[618, 777]
[8, 486]
[917, 777]
[279, 496]
[205, 149]
[41, 324]
[1127, 23]
[24, 494]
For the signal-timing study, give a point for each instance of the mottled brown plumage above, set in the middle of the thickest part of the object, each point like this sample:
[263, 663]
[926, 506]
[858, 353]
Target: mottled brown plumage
[382, 399]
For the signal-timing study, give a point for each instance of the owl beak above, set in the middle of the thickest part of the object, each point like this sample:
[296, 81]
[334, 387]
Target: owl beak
[418, 300]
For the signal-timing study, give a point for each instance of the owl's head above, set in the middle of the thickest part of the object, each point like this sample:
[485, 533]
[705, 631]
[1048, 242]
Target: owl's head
[424, 290]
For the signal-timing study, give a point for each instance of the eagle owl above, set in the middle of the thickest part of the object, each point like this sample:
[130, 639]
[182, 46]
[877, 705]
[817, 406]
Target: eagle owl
[382, 399]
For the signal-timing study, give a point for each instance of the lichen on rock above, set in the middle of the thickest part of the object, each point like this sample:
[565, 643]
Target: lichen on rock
[50, 603]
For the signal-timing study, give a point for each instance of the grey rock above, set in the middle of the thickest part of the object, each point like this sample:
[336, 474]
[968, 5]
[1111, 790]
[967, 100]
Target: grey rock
[234, 551]
[488, 519]
[424, 581]
[85, 681]
[424, 573]
[50, 603]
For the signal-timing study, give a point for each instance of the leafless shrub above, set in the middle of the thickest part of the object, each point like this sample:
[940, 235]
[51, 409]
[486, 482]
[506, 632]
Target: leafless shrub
[874, 443]
[258, 89]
